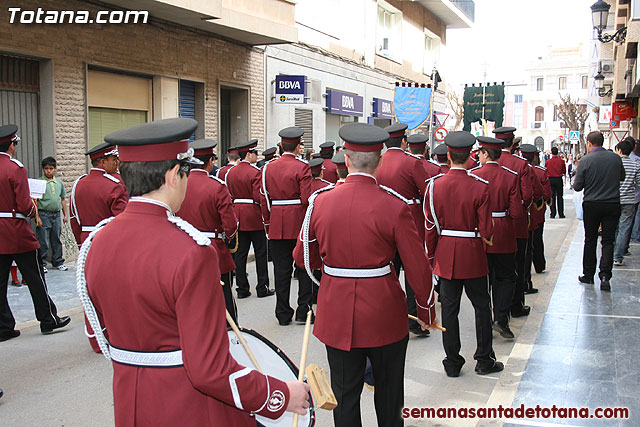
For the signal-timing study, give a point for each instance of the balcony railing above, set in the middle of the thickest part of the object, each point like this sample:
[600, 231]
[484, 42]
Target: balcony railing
[467, 7]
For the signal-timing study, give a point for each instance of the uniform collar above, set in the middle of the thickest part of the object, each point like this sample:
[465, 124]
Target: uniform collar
[198, 170]
[395, 148]
[491, 162]
[288, 153]
[6, 154]
[457, 169]
[98, 170]
[147, 200]
[359, 174]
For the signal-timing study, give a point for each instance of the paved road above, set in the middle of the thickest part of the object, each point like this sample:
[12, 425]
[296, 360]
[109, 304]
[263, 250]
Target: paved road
[57, 380]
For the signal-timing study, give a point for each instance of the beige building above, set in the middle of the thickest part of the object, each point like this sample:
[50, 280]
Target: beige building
[68, 84]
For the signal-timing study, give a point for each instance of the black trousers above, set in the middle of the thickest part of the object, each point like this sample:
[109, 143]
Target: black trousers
[528, 262]
[282, 254]
[410, 294]
[30, 266]
[557, 187]
[596, 214]
[318, 275]
[477, 291]
[518, 293]
[229, 302]
[539, 261]
[347, 370]
[502, 280]
[258, 239]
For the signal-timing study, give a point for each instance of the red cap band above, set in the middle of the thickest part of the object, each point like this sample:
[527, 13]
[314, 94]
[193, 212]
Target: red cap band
[397, 134]
[490, 144]
[317, 168]
[152, 152]
[203, 151]
[101, 153]
[505, 135]
[363, 148]
[291, 140]
[8, 139]
[459, 150]
[418, 144]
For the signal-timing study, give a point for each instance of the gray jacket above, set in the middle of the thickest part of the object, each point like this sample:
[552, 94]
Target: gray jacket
[599, 174]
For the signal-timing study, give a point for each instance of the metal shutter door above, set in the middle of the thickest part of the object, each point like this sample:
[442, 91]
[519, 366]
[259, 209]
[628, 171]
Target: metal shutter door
[304, 119]
[187, 101]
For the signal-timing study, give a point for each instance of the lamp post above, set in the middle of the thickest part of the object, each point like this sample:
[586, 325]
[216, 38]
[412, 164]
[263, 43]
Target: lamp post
[600, 16]
[599, 79]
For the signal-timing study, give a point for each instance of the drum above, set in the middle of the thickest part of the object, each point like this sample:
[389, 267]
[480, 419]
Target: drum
[275, 363]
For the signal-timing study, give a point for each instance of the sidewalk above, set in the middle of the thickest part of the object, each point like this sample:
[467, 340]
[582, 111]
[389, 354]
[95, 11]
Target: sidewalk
[584, 355]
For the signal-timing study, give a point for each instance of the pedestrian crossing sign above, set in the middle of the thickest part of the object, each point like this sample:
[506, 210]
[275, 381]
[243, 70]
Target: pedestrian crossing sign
[574, 135]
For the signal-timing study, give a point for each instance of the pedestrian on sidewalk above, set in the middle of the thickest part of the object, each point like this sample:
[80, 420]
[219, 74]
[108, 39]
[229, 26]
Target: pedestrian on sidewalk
[635, 233]
[599, 173]
[49, 206]
[628, 206]
[556, 169]
[17, 241]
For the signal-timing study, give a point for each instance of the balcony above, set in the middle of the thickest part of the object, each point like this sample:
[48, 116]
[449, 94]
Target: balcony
[453, 13]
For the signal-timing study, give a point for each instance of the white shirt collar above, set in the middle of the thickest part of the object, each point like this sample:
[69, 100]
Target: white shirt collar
[6, 154]
[363, 174]
[152, 201]
[98, 169]
[291, 154]
[199, 170]
[462, 169]
[395, 148]
[491, 161]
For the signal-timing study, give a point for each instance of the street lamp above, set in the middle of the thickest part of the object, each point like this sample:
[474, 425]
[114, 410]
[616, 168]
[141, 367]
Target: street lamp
[599, 79]
[600, 16]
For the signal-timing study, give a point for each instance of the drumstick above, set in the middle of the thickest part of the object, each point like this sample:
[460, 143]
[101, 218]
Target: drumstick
[235, 329]
[433, 326]
[303, 357]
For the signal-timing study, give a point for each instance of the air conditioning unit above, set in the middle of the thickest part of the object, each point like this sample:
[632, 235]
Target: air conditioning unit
[607, 66]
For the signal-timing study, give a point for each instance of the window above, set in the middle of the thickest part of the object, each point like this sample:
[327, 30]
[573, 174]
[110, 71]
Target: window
[585, 82]
[388, 32]
[431, 52]
[539, 84]
[562, 83]
[539, 114]
[517, 99]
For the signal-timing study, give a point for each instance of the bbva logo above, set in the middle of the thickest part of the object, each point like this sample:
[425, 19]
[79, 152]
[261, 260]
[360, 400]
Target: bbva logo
[348, 102]
[386, 107]
[287, 84]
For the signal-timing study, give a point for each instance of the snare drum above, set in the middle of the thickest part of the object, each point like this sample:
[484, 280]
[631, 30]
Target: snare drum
[275, 363]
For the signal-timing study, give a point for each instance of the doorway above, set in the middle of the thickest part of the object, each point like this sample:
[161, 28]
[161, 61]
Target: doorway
[234, 118]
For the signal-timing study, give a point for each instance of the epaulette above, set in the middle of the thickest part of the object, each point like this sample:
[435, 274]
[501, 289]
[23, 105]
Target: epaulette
[193, 232]
[434, 162]
[415, 156]
[324, 180]
[218, 179]
[434, 177]
[520, 157]
[315, 193]
[477, 167]
[111, 177]
[394, 193]
[509, 170]
[477, 177]
[540, 167]
[17, 162]
[254, 166]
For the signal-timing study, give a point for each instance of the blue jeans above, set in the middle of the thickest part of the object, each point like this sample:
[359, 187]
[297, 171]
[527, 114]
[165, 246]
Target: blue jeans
[635, 234]
[49, 236]
[623, 233]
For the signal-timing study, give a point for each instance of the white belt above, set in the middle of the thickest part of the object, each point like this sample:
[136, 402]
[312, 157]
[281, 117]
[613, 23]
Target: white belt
[458, 233]
[362, 273]
[213, 235]
[88, 229]
[286, 202]
[12, 215]
[413, 201]
[164, 359]
[498, 214]
[247, 201]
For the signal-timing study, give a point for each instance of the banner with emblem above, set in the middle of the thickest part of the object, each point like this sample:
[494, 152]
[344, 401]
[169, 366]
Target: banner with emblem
[494, 104]
[472, 101]
[411, 105]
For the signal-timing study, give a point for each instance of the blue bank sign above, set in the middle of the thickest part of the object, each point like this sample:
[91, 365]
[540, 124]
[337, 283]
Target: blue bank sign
[290, 89]
[346, 104]
[382, 108]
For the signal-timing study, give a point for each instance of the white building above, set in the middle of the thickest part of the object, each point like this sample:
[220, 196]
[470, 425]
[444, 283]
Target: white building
[351, 54]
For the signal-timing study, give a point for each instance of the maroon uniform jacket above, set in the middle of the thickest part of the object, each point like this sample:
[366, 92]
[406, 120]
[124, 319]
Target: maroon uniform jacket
[160, 298]
[444, 168]
[222, 172]
[207, 206]
[352, 233]
[432, 168]
[405, 173]
[506, 205]
[16, 236]
[243, 181]
[520, 165]
[330, 172]
[319, 183]
[286, 185]
[461, 203]
[537, 213]
[95, 197]
[471, 163]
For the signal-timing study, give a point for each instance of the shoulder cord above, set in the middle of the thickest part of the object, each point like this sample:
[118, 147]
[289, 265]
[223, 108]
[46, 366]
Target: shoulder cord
[73, 207]
[81, 286]
[264, 185]
[193, 232]
[306, 223]
[435, 223]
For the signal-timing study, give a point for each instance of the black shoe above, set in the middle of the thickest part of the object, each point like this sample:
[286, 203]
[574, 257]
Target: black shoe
[301, 320]
[540, 271]
[264, 294]
[531, 291]
[47, 328]
[484, 370]
[503, 330]
[552, 216]
[524, 311]
[1, 392]
[417, 330]
[585, 279]
[451, 370]
[284, 322]
[605, 285]
[243, 295]
[8, 335]
[561, 216]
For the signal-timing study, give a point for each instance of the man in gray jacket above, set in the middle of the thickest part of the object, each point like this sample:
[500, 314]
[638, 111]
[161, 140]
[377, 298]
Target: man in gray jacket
[599, 174]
